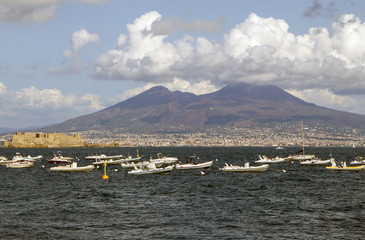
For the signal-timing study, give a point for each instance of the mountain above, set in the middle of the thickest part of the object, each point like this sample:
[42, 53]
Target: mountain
[240, 105]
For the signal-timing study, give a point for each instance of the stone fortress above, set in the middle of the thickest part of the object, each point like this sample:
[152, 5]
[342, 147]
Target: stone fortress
[44, 140]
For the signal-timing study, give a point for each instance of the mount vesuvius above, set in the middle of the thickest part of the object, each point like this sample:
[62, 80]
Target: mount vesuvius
[240, 105]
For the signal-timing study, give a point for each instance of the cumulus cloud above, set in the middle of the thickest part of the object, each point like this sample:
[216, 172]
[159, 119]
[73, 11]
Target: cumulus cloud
[73, 63]
[29, 11]
[82, 38]
[53, 99]
[168, 26]
[43, 106]
[257, 50]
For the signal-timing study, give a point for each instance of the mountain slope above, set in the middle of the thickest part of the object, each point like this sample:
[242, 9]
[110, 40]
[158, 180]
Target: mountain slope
[236, 105]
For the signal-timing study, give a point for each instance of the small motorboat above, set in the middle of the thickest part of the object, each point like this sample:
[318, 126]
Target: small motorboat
[265, 160]
[315, 161]
[343, 167]
[150, 169]
[130, 165]
[99, 162]
[19, 157]
[72, 168]
[162, 159]
[20, 164]
[192, 163]
[302, 157]
[59, 158]
[245, 168]
[103, 157]
[358, 161]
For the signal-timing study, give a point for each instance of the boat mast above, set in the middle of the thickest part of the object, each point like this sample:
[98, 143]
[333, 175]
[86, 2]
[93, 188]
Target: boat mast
[301, 123]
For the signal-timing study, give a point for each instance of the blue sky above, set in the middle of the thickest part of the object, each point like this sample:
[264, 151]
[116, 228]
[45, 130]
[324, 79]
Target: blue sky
[60, 59]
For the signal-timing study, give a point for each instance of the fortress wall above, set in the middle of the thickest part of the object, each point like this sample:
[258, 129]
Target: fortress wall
[34, 140]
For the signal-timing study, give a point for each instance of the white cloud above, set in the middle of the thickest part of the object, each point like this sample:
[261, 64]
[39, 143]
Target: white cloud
[43, 106]
[258, 50]
[325, 97]
[31, 11]
[82, 38]
[73, 63]
[53, 99]
[3, 89]
[170, 25]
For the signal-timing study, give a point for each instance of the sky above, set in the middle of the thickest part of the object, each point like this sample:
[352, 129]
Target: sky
[60, 59]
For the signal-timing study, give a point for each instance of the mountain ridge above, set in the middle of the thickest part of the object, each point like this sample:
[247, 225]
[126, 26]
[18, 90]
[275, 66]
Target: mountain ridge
[238, 105]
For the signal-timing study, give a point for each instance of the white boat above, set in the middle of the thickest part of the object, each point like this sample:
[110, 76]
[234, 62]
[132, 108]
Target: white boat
[162, 159]
[132, 159]
[265, 160]
[104, 157]
[245, 168]
[358, 161]
[72, 168]
[315, 161]
[19, 157]
[20, 164]
[130, 165]
[108, 162]
[194, 165]
[302, 157]
[150, 169]
[280, 148]
[343, 167]
[59, 158]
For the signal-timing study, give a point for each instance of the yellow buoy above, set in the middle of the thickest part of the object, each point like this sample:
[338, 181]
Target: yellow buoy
[137, 153]
[105, 176]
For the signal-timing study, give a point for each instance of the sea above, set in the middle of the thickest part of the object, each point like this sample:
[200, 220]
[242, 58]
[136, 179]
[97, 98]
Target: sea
[288, 201]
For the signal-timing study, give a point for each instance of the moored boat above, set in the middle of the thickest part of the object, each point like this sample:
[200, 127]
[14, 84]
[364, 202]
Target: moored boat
[194, 165]
[103, 157]
[150, 169]
[99, 162]
[72, 168]
[315, 161]
[358, 161]
[343, 167]
[162, 159]
[19, 157]
[59, 158]
[265, 160]
[245, 168]
[130, 165]
[20, 164]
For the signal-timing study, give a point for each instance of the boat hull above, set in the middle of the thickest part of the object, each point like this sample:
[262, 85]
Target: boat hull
[357, 168]
[27, 164]
[194, 166]
[72, 168]
[166, 170]
[315, 162]
[252, 169]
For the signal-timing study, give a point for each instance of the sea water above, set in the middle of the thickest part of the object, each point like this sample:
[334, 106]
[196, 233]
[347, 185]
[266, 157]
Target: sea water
[297, 203]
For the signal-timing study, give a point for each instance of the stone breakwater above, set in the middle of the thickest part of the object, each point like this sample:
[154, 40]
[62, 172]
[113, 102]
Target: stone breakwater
[44, 140]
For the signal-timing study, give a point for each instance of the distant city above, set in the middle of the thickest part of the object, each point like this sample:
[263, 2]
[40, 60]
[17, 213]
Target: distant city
[285, 134]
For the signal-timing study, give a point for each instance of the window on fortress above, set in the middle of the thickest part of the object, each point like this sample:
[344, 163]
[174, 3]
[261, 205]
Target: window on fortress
[37, 135]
